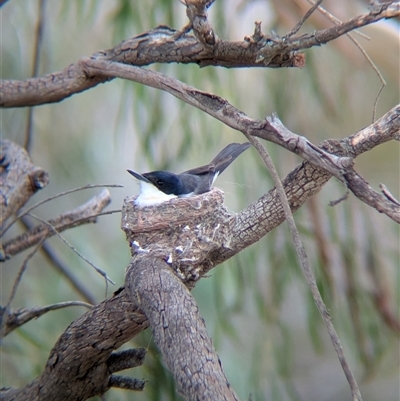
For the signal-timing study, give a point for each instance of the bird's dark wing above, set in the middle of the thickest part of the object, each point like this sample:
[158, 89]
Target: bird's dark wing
[191, 184]
[200, 170]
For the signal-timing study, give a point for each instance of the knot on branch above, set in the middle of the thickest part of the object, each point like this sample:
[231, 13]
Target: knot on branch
[19, 178]
[126, 359]
[182, 232]
[196, 11]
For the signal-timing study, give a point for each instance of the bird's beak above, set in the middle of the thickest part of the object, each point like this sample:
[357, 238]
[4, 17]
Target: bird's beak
[138, 176]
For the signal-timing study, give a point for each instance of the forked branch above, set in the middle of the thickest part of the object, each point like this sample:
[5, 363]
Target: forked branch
[166, 45]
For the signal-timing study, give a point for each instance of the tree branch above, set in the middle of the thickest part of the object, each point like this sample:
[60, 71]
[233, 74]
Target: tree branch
[270, 129]
[86, 213]
[368, 195]
[261, 217]
[13, 319]
[278, 45]
[179, 330]
[166, 45]
[306, 268]
[126, 359]
[19, 179]
[78, 366]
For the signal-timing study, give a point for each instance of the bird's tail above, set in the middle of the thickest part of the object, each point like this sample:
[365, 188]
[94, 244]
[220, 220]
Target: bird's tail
[228, 155]
[222, 160]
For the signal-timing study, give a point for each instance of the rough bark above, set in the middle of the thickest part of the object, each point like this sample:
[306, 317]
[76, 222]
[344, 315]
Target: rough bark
[78, 365]
[179, 330]
[19, 178]
[166, 45]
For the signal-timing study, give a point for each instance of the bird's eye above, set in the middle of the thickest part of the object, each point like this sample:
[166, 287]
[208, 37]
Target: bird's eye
[160, 183]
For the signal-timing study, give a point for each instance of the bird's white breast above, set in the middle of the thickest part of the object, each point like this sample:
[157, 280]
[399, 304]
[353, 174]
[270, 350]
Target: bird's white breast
[150, 195]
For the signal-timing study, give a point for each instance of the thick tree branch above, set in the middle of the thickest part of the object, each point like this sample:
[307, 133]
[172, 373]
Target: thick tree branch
[78, 365]
[270, 129]
[179, 330]
[165, 45]
[160, 45]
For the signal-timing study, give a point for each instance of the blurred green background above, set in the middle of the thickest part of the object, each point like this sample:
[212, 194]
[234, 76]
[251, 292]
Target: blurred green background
[257, 306]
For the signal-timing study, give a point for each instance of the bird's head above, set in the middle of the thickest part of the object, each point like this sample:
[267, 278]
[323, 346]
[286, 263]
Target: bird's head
[165, 181]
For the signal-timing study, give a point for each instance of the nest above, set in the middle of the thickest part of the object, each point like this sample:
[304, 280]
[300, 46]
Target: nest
[183, 231]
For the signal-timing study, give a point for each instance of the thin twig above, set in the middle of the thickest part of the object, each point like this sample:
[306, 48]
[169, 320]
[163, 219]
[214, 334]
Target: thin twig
[33, 236]
[62, 267]
[363, 191]
[388, 194]
[21, 272]
[324, 245]
[302, 256]
[375, 68]
[83, 214]
[21, 316]
[337, 21]
[15, 286]
[297, 27]
[101, 272]
[35, 70]
[70, 191]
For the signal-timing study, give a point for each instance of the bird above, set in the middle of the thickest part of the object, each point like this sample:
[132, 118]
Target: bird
[157, 187]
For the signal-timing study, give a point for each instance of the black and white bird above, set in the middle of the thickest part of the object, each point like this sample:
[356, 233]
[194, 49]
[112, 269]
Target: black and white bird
[160, 186]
